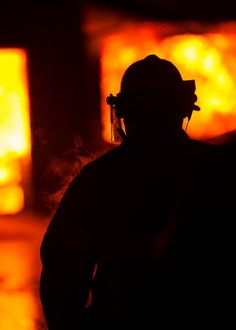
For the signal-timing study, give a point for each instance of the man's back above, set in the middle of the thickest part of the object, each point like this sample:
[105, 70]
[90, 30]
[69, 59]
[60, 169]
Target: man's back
[152, 214]
[151, 224]
[161, 251]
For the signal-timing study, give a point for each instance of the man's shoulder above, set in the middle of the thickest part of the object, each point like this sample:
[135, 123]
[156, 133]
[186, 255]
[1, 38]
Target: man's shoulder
[205, 150]
[204, 145]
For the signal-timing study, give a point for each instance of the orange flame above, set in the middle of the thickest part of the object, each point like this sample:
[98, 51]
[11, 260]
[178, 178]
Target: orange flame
[208, 58]
[15, 139]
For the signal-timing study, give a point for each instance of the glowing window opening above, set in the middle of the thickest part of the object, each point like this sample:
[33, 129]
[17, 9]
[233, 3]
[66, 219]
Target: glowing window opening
[15, 146]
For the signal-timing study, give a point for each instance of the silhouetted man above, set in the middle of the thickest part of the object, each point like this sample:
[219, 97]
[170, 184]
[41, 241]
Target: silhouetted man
[133, 242]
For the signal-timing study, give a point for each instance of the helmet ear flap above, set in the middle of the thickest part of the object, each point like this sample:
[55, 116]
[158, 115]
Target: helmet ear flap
[188, 99]
[116, 115]
[117, 102]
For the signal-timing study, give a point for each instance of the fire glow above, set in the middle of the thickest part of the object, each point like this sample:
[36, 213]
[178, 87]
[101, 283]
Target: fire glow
[208, 57]
[15, 144]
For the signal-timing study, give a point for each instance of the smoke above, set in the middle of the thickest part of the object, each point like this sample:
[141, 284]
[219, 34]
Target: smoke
[61, 170]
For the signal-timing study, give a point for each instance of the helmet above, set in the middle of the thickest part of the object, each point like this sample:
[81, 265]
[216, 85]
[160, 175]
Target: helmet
[153, 83]
[151, 73]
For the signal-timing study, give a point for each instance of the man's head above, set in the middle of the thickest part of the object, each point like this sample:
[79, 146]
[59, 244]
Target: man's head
[154, 95]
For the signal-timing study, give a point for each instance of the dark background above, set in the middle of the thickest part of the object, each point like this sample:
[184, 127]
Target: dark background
[64, 74]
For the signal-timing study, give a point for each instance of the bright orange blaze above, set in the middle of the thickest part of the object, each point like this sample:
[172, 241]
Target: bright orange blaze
[208, 58]
[15, 140]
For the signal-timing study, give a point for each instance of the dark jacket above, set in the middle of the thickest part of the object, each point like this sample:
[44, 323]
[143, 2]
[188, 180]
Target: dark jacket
[146, 219]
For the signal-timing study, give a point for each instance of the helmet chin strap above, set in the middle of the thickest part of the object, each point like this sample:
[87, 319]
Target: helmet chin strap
[120, 130]
[189, 117]
[186, 127]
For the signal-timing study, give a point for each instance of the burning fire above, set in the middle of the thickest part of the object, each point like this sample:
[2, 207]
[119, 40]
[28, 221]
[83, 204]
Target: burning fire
[208, 58]
[15, 144]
